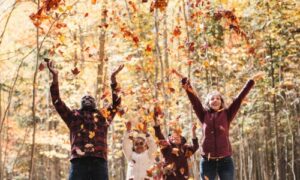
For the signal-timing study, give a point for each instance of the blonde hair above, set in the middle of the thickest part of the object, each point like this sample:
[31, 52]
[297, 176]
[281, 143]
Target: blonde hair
[210, 95]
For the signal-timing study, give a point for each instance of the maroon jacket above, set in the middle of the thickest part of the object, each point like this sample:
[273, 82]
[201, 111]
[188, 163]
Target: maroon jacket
[88, 129]
[180, 170]
[215, 125]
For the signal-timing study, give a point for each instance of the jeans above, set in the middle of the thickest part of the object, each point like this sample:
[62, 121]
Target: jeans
[88, 168]
[224, 168]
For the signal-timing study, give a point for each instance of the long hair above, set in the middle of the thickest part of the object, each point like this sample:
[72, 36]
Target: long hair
[209, 96]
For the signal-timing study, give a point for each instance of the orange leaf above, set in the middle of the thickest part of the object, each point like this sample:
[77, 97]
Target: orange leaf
[135, 40]
[176, 31]
[148, 48]
[94, 1]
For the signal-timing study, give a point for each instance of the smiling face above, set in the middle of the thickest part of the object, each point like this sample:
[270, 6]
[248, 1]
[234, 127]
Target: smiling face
[175, 138]
[139, 145]
[215, 102]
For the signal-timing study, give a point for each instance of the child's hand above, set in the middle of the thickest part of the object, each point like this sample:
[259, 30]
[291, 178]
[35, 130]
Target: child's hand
[128, 126]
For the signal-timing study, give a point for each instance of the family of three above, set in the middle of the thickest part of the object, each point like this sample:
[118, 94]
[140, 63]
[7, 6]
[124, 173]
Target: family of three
[89, 128]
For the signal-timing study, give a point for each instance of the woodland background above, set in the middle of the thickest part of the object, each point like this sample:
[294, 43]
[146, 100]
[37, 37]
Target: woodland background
[219, 44]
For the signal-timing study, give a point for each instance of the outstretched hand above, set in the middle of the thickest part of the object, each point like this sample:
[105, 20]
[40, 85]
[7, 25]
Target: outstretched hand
[145, 126]
[128, 126]
[177, 73]
[258, 76]
[113, 75]
[194, 128]
[51, 67]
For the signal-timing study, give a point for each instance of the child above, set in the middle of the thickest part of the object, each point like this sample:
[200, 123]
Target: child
[139, 151]
[175, 151]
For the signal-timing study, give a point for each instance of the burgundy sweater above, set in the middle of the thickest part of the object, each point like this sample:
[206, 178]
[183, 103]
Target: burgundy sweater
[88, 129]
[215, 125]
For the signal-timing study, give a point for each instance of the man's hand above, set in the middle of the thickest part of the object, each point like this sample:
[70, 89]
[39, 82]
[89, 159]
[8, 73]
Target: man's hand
[52, 70]
[157, 112]
[113, 75]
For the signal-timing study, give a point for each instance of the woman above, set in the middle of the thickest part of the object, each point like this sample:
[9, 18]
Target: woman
[215, 118]
[139, 151]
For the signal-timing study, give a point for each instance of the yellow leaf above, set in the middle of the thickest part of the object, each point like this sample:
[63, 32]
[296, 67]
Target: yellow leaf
[206, 64]
[62, 38]
[60, 9]
[91, 134]
[224, 1]
[69, 8]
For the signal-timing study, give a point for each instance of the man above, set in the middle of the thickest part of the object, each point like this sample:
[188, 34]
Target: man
[88, 130]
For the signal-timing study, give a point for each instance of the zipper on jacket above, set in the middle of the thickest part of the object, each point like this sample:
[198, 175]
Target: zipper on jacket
[214, 118]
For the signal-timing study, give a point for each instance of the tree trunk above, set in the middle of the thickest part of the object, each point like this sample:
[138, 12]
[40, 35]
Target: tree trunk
[34, 89]
[100, 69]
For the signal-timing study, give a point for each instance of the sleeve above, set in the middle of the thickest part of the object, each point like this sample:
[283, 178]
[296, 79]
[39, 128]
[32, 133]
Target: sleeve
[116, 101]
[63, 110]
[127, 146]
[235, 105]
[152, 146]
[158, 133]
[195, 101]
[191, 149]
[165, 148]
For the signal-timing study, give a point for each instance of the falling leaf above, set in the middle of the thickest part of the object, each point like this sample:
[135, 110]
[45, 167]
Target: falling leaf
[105, 93]
[86, 14]
[91, 134]
[177, 31]
[41, 66]
[62, 38]
[182, 171]
[94, 1]
[135, 40]
[148, 48]
[133, 6]
[75, 71]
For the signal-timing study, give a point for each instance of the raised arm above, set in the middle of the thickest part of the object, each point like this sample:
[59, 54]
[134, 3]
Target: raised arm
[194, 99]
[127, 143]
[150, 142]
[116, 100]
[63, 110]
[236, 104]
[191, 149]
[156, 127]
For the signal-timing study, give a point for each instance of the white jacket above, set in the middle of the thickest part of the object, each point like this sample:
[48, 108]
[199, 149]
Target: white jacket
[138, 164]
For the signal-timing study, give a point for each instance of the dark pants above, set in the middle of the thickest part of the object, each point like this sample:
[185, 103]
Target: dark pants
[224, 168]
[88, 168]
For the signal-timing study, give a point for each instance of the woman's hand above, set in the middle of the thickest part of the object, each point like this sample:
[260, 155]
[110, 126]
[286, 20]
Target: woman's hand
[258, 76]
